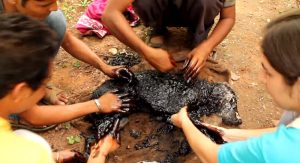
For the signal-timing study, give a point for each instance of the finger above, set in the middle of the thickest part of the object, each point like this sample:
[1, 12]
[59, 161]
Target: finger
[173, 62]
[115, 91]
[173, 117]
[213, 128]
[187, 72]
[122, 111]
[63, 99]
[125, 110]
[190, 68]
[99, 143]
[115, 128]
[197, 72]
[193, 69]
[189, 80]
[184, 109]
[126, 105]
[186, 63]
[118, 138]
[62, 95]
[123, 95]
[129, 99]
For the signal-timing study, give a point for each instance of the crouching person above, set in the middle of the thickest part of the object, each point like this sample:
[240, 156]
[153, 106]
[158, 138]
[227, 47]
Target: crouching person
[26, 57]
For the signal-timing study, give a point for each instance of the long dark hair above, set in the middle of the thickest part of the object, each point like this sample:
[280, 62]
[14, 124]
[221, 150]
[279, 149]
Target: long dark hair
[281, 45]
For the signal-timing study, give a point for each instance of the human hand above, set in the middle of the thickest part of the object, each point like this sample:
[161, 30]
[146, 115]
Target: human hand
[178, 118]
[226, 134]
[195, 62]
[105, 146]
[160, 59]
[68, 156]
[115, 102]
[111, 71]
[125, 74]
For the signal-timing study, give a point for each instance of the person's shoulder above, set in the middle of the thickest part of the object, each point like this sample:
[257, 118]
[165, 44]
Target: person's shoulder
[282, 145]
[284, 133]
[57, 22]
[56, 15]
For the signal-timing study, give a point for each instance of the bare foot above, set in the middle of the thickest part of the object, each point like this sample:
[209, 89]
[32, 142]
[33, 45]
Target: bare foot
[54, 96]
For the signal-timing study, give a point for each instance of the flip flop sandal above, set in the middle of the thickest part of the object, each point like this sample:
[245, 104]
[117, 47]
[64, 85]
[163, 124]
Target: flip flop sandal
[52, 95]
[157, 38]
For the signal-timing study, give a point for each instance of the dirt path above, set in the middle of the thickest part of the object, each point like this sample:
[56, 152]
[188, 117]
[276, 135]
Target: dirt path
[239, 52]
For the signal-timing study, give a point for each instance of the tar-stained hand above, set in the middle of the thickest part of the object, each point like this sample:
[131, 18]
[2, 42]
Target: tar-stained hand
[160, 59]
[111, 71]
[194, 63]
[124, 74]
[126, 101]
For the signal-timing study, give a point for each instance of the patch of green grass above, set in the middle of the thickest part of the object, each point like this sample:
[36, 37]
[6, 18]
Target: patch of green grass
[68, 10]
[77, 64]
[84, 3]
[73, 139]
[67, 126]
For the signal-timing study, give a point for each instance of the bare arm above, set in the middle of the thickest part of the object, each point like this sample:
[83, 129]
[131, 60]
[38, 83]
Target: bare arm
[120, 28]
[231, 135]
[223, 27]
[200, 53]
[204, 148]
[81, 51]
[46, 115]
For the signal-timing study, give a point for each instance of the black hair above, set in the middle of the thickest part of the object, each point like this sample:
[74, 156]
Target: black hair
[281, 45]
[27, 47]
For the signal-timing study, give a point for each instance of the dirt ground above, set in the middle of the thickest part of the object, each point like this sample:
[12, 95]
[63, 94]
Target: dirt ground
[239, 52]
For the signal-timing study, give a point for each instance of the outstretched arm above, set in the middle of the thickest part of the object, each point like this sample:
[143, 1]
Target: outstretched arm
[232, 135]
[120, 28]
[81, 51]
[204, 148]
[46, 115]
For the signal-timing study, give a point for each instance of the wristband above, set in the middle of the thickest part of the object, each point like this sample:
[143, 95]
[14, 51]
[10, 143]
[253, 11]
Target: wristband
[97, 102]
